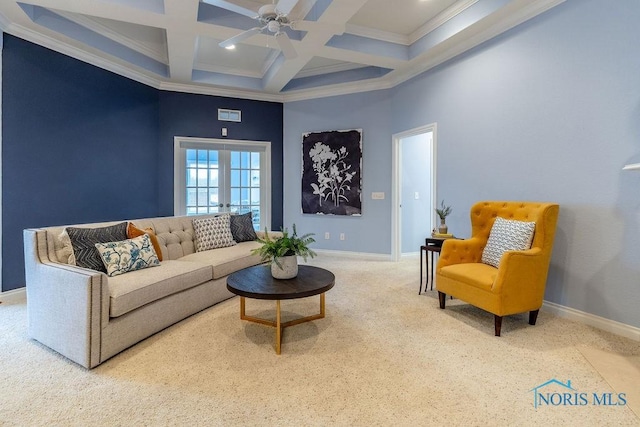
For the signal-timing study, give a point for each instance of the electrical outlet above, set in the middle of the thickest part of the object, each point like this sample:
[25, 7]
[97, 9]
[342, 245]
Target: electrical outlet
[327, 236]
[377, 195]
[341, 236]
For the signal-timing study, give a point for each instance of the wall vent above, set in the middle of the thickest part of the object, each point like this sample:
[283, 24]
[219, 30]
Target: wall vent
[227, 115]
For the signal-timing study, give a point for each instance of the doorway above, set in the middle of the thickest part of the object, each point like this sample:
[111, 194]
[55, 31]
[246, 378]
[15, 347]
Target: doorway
[413, 189]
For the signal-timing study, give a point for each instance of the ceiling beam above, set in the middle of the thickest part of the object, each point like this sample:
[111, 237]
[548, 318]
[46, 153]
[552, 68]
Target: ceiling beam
[181, 44]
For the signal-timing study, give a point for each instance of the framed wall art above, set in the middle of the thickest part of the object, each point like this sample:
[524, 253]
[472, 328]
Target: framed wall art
[332, 172]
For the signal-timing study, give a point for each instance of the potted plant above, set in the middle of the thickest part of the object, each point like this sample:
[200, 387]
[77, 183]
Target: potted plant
[443, 212]
[283, 252]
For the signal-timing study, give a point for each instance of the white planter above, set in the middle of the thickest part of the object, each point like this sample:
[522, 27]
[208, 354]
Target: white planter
[289, 268]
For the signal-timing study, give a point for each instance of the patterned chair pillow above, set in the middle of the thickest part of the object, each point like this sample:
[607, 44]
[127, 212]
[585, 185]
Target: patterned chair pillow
[84, 240]
[213, 233]
[507, 235]
[242, 228]
[128, 255]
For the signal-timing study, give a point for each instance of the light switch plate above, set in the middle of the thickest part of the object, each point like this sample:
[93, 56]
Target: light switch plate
[377, 195]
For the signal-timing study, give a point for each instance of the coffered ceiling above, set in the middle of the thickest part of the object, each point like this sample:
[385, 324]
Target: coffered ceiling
[337, 46]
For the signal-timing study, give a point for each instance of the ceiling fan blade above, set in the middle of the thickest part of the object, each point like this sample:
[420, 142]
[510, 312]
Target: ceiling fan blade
[242, 36]
[247, 11]
[284, 7]
[286, 46]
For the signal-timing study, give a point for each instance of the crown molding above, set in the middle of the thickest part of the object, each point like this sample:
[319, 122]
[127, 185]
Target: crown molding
[444, 16]
[203, 66]
[220, 91]
[371, 33]
[371, 85]
[335, 68]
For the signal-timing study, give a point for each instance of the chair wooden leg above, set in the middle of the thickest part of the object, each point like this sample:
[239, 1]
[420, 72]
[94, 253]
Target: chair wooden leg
[533, 316]
[442, 297]
[498, 324]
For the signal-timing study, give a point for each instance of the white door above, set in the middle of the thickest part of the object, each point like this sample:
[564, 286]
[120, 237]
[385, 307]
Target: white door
[215, 176]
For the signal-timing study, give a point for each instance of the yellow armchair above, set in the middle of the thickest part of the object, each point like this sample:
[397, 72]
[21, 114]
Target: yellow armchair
[518, 284]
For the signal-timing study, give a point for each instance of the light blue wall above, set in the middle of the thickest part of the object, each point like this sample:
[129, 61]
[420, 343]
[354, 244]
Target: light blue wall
[370, 232]
[416, 214]
[548, 111]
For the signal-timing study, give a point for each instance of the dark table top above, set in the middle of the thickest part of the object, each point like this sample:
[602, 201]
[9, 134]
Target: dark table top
[257, 282]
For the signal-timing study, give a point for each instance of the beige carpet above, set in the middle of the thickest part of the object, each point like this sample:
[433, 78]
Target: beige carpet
[383, 356]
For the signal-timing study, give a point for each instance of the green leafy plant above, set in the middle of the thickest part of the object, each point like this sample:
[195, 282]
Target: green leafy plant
[443, 211]
[285, 245]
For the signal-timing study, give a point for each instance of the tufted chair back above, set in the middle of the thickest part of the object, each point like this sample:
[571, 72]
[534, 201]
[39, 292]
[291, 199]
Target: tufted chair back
[483, 215]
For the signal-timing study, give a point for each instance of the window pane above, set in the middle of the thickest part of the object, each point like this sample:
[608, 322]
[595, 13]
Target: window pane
[244, 178]
[203, 210]
[235, 178]
[255, 196]
[255, 160]
[213, 177]
[191, 158]
[235, 159]
[244, 159]
[191, 197]
[202, 158]
[213, 197]
[244, 193]
[213, 159]
[202, 177]
[235, 196]
[191, 211]
[191, 177]
[255, 178]
[202, 196]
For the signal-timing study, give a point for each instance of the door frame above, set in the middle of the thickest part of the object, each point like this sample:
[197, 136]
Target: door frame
[179, 179]
[396, 169]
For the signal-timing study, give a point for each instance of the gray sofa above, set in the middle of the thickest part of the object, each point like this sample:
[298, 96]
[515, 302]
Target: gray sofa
[89, 317]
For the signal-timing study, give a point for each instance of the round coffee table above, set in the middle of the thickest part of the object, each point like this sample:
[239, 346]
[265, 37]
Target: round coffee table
[256, 282]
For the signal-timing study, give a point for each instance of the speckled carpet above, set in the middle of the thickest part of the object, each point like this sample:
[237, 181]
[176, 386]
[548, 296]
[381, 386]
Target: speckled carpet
[383, 356]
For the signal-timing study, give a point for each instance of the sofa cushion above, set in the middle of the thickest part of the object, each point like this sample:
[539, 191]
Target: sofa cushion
[65, 253]
[83, 241]
[242, 228]
[137, 288]
[507, 235]
[128, 255]
[212, 233]
[227, 260]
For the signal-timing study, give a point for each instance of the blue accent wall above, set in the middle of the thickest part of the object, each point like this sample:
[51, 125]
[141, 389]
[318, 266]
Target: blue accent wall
[81, 144]
[184, 114]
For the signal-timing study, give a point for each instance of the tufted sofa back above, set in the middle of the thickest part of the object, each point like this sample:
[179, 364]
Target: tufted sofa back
[175, 234]
[545, 215]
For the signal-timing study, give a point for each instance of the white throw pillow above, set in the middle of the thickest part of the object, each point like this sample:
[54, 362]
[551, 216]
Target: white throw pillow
[507, 235]
[212, 233]
[128, 255]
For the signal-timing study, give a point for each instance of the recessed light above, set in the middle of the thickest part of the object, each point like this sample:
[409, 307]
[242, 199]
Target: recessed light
[232, 47]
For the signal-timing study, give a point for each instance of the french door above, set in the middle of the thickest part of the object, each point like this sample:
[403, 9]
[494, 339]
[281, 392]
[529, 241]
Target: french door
[217, 176]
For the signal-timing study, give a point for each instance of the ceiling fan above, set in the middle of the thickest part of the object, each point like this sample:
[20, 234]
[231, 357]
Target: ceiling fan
[271, 17]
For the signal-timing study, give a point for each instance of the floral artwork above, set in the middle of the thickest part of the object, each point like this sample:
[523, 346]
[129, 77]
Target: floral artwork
[331, 172]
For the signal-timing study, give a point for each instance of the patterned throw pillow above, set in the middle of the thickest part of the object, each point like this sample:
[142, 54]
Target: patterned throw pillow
[507, 235]
[212, 233]
[242, 228]
[128, 255]
[84, 240]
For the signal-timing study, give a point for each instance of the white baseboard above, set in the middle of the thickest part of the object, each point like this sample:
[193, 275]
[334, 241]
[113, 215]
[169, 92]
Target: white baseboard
[15, 295]
[612, 326]
[362, 255]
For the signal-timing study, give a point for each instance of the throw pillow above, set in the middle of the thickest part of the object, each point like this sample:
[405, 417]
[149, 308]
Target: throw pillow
[65, 253]
[84, 240]
[133, 231]
[212, 233]
[128, 255]
[242, 228]
[507, 235]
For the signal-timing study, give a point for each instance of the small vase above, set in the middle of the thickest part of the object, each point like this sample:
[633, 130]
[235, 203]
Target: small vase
[288, 268]
[442, 228]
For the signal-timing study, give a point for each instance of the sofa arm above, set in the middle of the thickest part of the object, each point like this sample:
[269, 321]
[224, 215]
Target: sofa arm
[66, 305]
[458, 251]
